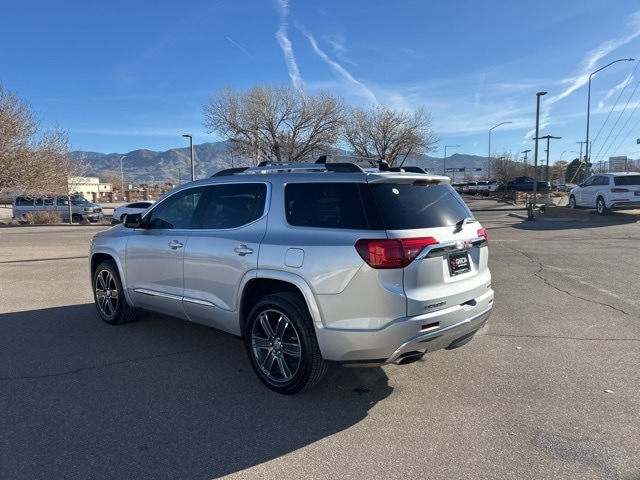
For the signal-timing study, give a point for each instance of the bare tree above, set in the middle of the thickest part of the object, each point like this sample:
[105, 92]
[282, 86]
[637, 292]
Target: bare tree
[275, 123]
[33, 161]
[558, 171]
[387, 135]
[504, 168]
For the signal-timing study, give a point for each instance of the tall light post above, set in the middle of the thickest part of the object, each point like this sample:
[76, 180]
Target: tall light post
[489, 157]
[586, 146]
[193, 171]
[444, 160]
[535, 159]
[121, 178]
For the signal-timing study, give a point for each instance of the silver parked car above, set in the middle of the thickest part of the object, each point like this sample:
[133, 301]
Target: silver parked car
[607, 191]
[308, 263]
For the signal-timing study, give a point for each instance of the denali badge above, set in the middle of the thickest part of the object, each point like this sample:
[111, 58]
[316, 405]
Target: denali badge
[462, 244]
[434, 305]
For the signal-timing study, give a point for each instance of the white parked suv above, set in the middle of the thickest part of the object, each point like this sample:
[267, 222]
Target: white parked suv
[607, 191]
[308, 263]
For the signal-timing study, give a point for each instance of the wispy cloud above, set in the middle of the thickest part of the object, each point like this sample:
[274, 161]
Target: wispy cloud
[592, 59]
[336, 67]
[287, 48]
[588, 65]
[620, 87]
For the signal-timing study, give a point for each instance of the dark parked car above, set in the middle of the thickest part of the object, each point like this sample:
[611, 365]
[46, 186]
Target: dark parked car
[525, 184]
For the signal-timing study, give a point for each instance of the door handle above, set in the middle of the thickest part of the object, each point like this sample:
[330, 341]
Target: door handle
[243, 250]
[175, 244]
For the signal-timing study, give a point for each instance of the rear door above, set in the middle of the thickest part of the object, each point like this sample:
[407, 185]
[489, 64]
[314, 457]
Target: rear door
[593, 186]
[223, 252]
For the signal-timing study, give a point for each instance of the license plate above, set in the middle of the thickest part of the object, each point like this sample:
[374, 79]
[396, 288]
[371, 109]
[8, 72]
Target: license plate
[459, 263]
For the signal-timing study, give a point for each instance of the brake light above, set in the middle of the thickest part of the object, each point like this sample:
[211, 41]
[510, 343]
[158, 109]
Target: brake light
[619, 190]
[392, 253]
[483, 233]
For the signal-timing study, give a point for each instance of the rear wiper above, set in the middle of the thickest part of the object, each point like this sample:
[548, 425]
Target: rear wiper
[462, 223]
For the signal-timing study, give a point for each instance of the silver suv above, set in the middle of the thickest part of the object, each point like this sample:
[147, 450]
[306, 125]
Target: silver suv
[308, 263]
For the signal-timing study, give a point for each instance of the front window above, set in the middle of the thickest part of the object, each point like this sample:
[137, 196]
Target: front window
[177, 211]
[78, 200]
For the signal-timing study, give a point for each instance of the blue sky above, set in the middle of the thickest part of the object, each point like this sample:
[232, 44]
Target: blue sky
[121, 76]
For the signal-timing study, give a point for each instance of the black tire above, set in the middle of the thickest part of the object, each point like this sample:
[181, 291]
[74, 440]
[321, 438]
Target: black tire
[281, 344]
[75, 218]
[108, 295]
[572, 202]
[123, 217]
[601, 207]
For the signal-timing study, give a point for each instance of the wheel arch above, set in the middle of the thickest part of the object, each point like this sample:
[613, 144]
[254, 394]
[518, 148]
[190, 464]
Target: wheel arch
[99, 257]
[276, 282]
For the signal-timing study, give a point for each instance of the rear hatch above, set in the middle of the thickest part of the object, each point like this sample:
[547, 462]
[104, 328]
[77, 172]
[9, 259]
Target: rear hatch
[627, 184]
[449, 265]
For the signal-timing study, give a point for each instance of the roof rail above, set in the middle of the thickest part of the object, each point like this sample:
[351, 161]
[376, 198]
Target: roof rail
[350, 164]
[285, 167]
[229, 171]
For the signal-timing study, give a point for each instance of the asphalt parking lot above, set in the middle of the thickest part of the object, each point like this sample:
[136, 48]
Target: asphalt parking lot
[549, 390]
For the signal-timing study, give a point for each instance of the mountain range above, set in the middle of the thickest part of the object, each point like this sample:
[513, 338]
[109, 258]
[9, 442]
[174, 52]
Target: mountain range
[174, 166]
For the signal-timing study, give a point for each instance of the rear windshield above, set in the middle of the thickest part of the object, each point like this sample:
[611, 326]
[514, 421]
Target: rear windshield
[419, 205]
[377, 206]
[627, 180]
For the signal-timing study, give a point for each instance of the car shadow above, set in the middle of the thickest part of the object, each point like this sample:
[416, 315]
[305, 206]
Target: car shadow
[156, 398]
[593, 220]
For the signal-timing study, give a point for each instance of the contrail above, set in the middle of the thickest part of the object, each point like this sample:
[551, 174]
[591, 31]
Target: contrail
[337, 67]
[251, 56]
[285, 44]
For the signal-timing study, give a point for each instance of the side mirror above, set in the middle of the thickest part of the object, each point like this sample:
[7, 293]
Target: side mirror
[133, 221]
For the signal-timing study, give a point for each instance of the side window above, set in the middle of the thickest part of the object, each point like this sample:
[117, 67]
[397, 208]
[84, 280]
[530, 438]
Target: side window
[233, 205]
[325, 205]
[60, 201]
[177, 211]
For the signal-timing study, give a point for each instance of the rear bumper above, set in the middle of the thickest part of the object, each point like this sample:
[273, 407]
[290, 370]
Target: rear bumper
[630, 205]
[406, 337]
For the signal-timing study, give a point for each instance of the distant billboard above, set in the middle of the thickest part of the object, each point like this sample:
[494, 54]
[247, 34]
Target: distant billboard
[618, 164]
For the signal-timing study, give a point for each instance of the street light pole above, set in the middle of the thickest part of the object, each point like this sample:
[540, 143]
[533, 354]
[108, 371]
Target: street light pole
[121, 178]
[444, 160]
[535, 159]
[586, 146]
[193, 172]
[489, 157]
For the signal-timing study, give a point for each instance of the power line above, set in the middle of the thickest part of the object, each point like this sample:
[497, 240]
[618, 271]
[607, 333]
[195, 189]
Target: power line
[593, 158]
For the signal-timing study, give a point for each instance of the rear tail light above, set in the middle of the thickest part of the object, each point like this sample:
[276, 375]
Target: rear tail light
[619, 190]
[392, 253]
[483, 233]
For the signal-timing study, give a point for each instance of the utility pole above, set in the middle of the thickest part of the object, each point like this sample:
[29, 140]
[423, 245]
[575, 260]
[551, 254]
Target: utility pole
[548, 137]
